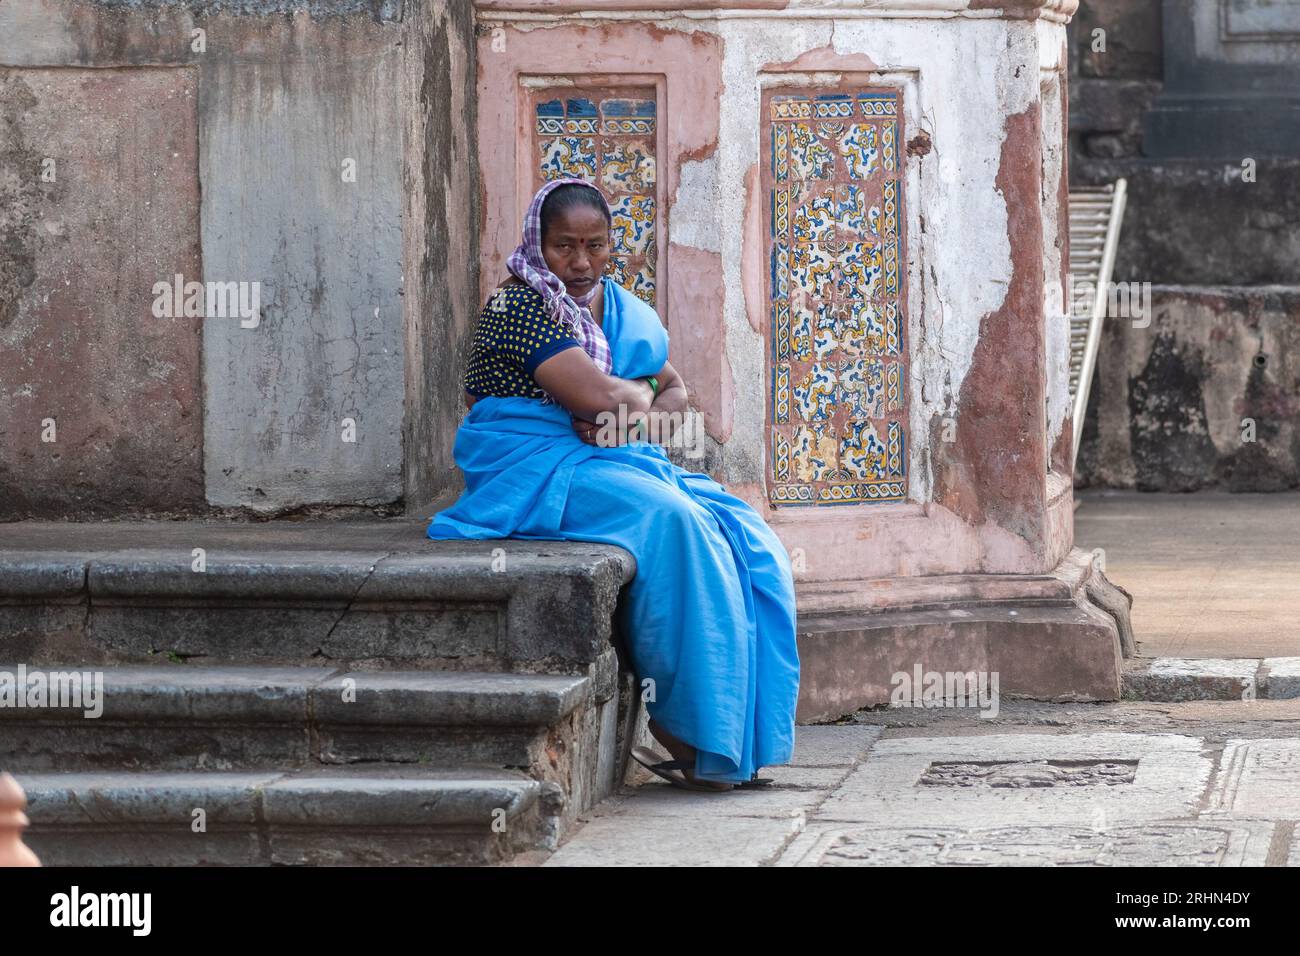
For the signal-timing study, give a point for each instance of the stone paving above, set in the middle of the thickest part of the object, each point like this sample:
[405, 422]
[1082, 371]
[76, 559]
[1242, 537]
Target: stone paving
[1212, 574]
[1196, 783]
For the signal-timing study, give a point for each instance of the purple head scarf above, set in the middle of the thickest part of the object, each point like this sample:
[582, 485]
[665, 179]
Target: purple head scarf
[529, 265]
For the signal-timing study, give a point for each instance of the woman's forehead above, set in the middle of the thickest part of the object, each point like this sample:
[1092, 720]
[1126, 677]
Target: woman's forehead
[581, 220]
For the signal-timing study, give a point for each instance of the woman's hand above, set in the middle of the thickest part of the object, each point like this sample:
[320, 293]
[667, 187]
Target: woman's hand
[670, 405]
[586, 430]
[592, 433]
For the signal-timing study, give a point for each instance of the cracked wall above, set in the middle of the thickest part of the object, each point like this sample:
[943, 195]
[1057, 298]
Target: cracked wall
[319, 161]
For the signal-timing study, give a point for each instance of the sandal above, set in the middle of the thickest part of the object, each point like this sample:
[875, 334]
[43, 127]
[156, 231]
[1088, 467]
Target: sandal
[757, 781]
[673, 770]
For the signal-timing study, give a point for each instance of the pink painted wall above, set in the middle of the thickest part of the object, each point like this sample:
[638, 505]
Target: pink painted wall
[684, 70]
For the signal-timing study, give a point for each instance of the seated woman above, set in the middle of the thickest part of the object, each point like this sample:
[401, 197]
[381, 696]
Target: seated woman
[710, 616]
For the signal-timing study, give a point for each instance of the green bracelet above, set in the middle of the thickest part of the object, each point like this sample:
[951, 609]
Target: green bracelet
[654, 383]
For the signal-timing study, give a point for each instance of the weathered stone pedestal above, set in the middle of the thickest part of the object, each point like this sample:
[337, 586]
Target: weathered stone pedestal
[853, 219]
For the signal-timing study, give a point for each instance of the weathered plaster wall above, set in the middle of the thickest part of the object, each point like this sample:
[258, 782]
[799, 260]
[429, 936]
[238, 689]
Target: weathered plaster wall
[443, 211]
[982, 208]
[1056, 235]
[100, 401]
[974, 255]
[331, 146]
[276, 132]
[1208, 394]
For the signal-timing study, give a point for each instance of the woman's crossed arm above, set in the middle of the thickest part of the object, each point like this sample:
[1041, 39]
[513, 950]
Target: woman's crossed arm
[574, 381]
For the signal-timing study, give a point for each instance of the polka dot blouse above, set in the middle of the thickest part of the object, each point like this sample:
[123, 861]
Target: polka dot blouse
[514, 335]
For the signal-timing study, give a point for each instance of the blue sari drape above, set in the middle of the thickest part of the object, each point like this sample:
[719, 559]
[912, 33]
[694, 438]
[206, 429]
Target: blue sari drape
[710, 616]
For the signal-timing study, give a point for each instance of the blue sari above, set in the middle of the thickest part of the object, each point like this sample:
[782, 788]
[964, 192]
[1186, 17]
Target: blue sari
[710, 616]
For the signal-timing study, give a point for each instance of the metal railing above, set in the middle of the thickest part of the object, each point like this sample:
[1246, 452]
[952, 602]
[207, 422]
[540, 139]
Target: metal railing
[1095, 216]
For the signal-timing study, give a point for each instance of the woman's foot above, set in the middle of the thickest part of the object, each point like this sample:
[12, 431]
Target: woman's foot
[683, 751]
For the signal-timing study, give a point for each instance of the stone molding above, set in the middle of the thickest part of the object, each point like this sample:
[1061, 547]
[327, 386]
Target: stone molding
[1056, 11]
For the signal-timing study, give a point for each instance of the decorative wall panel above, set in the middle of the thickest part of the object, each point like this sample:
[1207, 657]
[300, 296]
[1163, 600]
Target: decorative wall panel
[607, 138]
[836, 306]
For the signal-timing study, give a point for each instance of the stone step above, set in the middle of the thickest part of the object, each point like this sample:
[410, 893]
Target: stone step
[232, 718]
[336, 593]
[335, 816]
[1176, 679]
[286, 666]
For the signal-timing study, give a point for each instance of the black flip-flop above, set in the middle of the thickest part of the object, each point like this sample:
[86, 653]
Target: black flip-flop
[665, 768]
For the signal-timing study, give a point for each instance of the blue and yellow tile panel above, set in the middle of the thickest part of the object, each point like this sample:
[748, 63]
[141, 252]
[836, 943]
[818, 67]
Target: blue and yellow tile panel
[609, 140]
[837, 360]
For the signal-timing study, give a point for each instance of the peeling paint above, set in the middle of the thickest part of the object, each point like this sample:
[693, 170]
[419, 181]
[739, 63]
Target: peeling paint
[1056, 321]
[752, 251]
[826, 57]
[694, 209]
[1062, 460]
[994, 469]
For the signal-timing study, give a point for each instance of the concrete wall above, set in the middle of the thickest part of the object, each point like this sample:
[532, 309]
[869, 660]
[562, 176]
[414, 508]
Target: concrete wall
[317, 153]
[100, 402]
[1207, 395]
[1220, 249]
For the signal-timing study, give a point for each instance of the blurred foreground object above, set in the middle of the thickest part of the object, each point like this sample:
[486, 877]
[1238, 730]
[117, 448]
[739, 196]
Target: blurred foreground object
[12, 823]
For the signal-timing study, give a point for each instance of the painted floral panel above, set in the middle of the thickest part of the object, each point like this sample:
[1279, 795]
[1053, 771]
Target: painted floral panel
[837, 361]
[608, 138]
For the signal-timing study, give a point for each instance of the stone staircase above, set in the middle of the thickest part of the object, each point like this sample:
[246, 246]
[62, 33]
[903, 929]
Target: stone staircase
[314, 693]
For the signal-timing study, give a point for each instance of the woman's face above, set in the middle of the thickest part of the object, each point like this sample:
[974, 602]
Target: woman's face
[576, 248]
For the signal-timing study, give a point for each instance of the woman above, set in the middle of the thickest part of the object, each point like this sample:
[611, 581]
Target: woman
[710, 615]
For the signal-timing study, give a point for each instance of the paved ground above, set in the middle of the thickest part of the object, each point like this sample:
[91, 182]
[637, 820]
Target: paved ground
[1212, 574]
[1203, 783]
[1197, 783]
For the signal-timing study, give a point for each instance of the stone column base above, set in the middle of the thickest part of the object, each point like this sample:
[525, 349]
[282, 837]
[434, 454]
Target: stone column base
[1060, 636]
